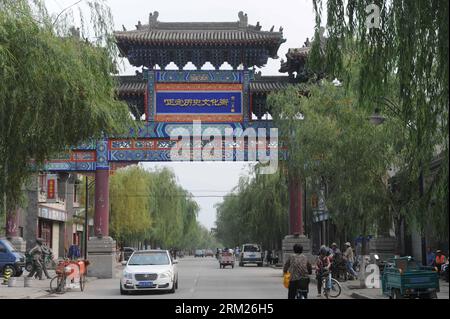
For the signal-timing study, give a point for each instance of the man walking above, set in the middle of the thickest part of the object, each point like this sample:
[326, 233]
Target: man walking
[299, 268]
[36, 254]
[349, 258]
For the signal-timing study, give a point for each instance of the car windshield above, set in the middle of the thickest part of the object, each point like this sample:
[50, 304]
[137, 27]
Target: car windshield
[157, 258]
[251, 249]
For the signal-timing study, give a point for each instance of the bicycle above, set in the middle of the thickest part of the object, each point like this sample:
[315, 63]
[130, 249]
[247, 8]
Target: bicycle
[302, 292]
[331, 287]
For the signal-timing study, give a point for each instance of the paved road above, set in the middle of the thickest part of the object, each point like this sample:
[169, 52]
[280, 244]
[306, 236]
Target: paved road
[201, 278]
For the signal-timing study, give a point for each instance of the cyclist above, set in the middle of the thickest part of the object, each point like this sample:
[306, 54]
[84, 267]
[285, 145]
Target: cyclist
[299, 267]
[322, 268]
[336, 260]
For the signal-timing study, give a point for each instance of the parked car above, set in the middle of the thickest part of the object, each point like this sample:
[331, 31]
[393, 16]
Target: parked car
[251, 254]
[199, 253]
[209, 253]
[127, 252]
[149, 270]
[11, 259]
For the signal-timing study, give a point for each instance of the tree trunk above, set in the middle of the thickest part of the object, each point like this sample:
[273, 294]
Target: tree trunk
[398, 234]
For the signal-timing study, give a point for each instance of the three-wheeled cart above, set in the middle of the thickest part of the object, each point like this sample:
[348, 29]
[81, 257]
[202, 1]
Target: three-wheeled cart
[405, 278]
[226, 259]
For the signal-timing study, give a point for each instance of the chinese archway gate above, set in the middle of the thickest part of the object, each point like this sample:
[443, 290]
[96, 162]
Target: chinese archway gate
[169, 103]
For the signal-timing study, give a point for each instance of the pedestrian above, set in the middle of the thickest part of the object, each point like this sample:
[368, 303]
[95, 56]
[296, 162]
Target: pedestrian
[300, 269]
[335, 250]
[349, 258]
[336, 261]
[323, 266]
[36, 255]
[46, 254]
[269, 257]
[74, 252]
[440, 260]
[430, 257]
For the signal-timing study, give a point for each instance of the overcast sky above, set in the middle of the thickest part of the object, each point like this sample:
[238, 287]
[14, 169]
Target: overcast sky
[210, 181]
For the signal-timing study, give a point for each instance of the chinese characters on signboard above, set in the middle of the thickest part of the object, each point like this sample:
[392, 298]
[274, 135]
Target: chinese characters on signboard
[52, 214]
[51, 187]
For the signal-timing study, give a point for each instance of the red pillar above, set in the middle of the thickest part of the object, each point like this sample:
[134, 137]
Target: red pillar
[295, 206]
[101, 217]
[12, 224]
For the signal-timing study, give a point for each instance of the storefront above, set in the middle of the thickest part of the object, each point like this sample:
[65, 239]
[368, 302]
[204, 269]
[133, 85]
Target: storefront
[51, 228]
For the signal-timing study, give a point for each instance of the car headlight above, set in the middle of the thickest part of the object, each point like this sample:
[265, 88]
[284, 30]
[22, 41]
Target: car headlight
[167, 274]
[127, 275]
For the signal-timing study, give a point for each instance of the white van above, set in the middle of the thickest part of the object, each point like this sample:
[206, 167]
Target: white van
[251, 254]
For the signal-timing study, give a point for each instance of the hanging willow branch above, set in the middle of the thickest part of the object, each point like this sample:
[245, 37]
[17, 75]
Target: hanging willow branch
[404, 60]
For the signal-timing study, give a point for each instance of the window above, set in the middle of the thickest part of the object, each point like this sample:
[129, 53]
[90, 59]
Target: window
[149, 259]
[45, 232]
[75, 191]
[251, 249]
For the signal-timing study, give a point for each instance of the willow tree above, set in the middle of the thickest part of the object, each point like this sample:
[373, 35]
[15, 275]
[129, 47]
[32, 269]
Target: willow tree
[256, 211]
[56, 88]
[332, 145]
[394, 54]
[130, 204]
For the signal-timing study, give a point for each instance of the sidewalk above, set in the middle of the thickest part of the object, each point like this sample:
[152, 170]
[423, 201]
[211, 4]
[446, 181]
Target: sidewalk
[38, 289]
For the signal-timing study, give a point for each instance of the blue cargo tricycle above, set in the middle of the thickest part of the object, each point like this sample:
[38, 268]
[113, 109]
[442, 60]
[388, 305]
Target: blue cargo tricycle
[405, 278]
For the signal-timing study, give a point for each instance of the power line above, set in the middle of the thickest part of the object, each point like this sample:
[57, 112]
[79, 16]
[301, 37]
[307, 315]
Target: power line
[149, 195]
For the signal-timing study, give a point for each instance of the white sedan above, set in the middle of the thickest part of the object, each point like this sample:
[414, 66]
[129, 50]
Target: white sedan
[149, 270]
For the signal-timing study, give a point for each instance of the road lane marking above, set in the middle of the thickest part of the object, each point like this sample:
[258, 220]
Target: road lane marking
[192, 290]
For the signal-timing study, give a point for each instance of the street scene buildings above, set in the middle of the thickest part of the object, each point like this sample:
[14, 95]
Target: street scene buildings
[347, 142]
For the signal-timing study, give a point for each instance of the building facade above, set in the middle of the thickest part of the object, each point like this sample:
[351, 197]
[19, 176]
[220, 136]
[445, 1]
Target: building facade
[52, 212]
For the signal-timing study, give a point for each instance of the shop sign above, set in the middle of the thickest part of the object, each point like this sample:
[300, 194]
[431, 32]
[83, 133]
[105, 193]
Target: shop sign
[52, 214]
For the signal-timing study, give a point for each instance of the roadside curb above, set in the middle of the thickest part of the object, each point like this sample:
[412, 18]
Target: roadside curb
[356, 295]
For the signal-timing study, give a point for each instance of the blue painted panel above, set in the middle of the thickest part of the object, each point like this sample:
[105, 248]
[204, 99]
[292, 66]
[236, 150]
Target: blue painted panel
[162, 130]
[69, 166]
[199, 76]
[198, 102]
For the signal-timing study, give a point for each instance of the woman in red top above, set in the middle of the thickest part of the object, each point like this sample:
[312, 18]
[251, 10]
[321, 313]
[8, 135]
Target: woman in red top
[439, 261]
[322, 268]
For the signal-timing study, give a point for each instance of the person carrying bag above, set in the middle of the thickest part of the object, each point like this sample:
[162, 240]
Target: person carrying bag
[296, 273]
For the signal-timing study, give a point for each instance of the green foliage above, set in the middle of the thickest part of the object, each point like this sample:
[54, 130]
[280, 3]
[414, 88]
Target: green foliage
[331, 143]
[150, 205]
[256, 211]
[56, 89]
[400, 68]
[130, 208]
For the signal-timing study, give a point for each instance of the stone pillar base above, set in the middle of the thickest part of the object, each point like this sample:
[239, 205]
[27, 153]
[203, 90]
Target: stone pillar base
[102, 257]
[288, 246]
[18, 243]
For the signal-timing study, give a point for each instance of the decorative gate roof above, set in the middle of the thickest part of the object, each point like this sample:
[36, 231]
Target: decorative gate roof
[199, 42]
